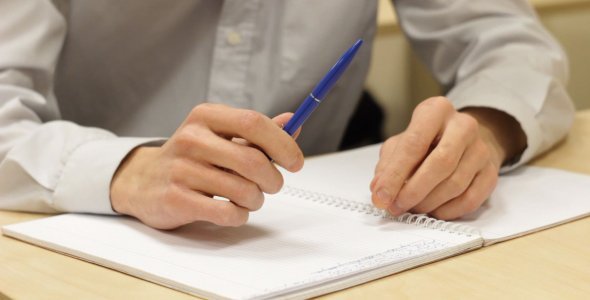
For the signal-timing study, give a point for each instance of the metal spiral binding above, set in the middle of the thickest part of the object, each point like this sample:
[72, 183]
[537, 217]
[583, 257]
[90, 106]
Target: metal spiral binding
[366, 208]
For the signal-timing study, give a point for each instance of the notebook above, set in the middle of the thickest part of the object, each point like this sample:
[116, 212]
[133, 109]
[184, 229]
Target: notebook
[319, 234]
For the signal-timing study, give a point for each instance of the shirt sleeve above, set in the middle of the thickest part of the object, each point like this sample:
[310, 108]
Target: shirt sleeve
[47, 164]
[494, 54]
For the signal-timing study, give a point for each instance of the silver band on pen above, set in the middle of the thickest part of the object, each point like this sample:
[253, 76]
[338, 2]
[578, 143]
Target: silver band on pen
[314, 98]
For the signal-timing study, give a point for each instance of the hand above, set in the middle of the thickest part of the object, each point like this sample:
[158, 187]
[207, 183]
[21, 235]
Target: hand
[446, 162]
[172, 185]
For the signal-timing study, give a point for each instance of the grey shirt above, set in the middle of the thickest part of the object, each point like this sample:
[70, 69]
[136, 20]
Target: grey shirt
[84, 82]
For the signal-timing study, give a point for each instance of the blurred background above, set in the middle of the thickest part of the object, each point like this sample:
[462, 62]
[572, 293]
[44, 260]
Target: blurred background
[398, 86]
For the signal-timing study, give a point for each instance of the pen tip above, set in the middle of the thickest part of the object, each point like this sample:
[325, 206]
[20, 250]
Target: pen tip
[357, 45]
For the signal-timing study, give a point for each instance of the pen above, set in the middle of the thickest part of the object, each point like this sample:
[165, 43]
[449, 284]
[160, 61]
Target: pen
[321, 90]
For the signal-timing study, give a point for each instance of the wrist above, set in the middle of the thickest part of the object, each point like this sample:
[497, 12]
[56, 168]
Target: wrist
[125, 182]
[497, 152]
[501, 132]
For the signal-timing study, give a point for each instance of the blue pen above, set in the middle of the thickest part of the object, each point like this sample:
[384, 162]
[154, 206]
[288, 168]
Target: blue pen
[321, 90]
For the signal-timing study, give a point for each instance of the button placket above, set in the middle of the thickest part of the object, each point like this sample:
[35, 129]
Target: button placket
[232, 53]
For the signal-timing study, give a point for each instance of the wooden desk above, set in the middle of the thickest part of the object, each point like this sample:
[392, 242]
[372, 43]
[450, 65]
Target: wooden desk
[554, 263]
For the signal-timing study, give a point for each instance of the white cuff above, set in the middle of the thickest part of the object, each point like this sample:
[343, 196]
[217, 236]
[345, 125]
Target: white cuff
[86, 179]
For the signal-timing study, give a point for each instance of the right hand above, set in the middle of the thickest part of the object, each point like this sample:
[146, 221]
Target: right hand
[173, 185]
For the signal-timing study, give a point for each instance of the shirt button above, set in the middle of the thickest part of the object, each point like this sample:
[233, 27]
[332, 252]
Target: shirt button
[234, 38]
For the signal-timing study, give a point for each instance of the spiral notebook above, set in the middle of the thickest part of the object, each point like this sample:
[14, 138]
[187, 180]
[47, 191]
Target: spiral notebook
[320, 234]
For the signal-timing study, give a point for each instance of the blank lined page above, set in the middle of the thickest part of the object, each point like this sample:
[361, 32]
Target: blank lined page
[530, 199]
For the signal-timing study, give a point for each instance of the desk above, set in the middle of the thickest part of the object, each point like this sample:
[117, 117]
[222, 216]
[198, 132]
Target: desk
[554, 263]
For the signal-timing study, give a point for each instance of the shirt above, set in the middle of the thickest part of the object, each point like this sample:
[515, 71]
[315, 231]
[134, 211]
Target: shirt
[82, 83]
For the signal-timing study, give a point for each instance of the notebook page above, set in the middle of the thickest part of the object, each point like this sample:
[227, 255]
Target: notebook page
[531, 199]
[290, 244]
[345, 174]
[526, 200]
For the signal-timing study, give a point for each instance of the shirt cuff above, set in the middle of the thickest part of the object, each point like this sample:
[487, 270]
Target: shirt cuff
[86, 179]
[475, 92]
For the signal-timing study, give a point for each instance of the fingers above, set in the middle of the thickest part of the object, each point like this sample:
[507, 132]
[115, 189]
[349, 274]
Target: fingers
[456, 184]
[427, 122]
[440, 165]
[187, 206]
[459, 134]
[280, 120]
[481, 188]
[248, 162]
[217, 151]
[387, 147]
[253, 127]
[213, 181]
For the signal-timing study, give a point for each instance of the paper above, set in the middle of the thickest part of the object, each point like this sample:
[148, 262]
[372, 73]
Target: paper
[530, 199]
[317, 236]
[290, 244]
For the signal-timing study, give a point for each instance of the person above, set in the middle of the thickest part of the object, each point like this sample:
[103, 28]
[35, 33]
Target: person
[150, 109]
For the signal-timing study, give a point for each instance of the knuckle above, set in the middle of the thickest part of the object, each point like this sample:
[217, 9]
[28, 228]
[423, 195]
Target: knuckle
[470, 204]
[251, 195]
[409, 196]
[391, 175]
[493, 173]
[412, 195]
[298, 160]
[276, 185]
[445, 158]
[415, 141]
[200, 110]
[226, 218]
[251, 121]
[200, 142]
[468, 123]
[441, 215]
[253, 160]
[443, 102]
[184, 141]
[241, 219]
[243, 190]
[257, 202]
[438, 102]
[389, 145]
[232, 217]
[426, 103]
[220, 216]
[457, 184]
[420, 209]
[294, 158]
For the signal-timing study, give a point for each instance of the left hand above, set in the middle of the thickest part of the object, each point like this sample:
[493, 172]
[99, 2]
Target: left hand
[445, 163]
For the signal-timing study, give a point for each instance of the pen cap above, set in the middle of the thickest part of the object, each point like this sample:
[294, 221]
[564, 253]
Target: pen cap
[322, 89]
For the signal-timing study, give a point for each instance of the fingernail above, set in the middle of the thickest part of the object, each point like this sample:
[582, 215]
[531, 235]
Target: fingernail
[383, 197]
[374, 182]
